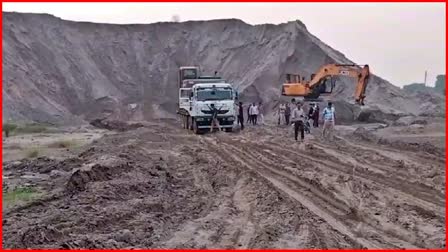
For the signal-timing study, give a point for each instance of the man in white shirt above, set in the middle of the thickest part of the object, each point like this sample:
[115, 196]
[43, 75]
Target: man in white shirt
[329, 116]
[281, 113]
[298, 118]
[254, 112]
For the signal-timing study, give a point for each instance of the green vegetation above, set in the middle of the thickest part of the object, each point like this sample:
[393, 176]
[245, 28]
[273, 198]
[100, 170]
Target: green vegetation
[31, 128]
[20, 194]
[63, 144]
[439, 86]
[8, 128]
[415, 87]
[32, 153]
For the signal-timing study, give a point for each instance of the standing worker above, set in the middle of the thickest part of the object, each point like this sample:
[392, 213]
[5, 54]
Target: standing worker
[310, 116]
[254, 113]
[241, 115]
[298, 120]
[287, 113]
[311, 111]
[215, 122]
[329, 118]
[249, 115]
[281, 113]
[316, 116]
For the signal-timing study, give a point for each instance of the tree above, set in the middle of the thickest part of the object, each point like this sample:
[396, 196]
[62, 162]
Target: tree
[440, 83]
[8, 128]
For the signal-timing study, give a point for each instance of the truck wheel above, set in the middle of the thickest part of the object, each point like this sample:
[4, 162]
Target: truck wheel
[182, 121]
[191, 123]
[195, 127]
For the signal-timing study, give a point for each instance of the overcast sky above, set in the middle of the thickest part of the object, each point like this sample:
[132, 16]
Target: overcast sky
[398, 40]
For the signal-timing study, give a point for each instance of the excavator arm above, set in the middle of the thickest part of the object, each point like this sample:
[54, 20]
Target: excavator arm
[296, 86]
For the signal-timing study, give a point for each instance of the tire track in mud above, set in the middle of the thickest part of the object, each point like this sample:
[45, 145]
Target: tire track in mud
[235, 156]
[318, 196]
[415, 156]
[352, 158]
[390, 163]
[417, 193]
[402, 236]
[269, 160]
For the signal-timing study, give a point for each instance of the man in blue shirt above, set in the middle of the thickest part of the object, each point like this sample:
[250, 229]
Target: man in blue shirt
[329, 116]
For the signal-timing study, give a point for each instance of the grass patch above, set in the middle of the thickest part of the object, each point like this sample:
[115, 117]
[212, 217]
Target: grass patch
[32, 153]
[31, 128]
[8, 128]
[20, 194]
[65, 144]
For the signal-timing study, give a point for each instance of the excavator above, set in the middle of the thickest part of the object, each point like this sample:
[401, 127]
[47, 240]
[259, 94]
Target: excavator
[323, 82]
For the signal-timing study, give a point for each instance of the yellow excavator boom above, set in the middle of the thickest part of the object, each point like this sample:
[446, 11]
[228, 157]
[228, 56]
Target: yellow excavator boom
[296, 85]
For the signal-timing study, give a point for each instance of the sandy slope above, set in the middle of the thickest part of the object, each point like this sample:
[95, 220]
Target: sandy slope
[61, 71]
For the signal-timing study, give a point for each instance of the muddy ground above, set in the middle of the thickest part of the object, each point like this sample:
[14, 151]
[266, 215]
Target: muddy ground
[162, 187]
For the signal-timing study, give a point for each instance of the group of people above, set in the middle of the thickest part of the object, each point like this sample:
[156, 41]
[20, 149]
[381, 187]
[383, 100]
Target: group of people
[301, 120]
[293, 113]
[254, 114]
[284, 113]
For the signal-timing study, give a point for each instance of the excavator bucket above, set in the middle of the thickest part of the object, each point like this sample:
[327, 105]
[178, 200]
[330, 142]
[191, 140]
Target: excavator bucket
[363, 80]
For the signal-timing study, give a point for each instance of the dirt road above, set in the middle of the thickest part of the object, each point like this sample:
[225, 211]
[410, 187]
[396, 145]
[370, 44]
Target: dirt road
[158, 187]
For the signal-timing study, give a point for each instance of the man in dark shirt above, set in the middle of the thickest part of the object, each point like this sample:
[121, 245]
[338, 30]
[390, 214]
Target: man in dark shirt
[241, 115]
[316, 116]
[215, 122]
[287, 113]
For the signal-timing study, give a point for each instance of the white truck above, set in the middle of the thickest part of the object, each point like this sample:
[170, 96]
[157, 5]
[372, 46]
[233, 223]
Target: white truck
[198, 94]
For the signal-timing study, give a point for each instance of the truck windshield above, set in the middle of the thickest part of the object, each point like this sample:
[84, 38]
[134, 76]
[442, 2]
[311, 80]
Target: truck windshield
[213, 95]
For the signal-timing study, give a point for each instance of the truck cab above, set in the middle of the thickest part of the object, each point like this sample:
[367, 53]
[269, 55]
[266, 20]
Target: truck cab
[198, 94]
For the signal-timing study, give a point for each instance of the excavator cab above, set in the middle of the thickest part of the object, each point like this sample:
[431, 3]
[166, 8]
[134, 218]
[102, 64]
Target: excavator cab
[327, 85]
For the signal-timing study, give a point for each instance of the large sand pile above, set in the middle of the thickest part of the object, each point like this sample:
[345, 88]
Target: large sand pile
[61, 71]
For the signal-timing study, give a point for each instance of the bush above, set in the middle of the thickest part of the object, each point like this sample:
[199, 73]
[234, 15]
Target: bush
[32, 153]
[31, 128]
[62, 144]
[8, 128]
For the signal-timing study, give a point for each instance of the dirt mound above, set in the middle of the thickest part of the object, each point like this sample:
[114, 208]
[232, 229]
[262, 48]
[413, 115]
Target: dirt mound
[375, 115]
[79, 179]
[363, 134]
[39, 235]
[42, 165]
[115, 125]
[411, 120]
[125, 71]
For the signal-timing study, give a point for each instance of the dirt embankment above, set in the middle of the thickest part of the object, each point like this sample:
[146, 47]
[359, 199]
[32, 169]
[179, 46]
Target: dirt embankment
[158, 186]
[65, 72]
